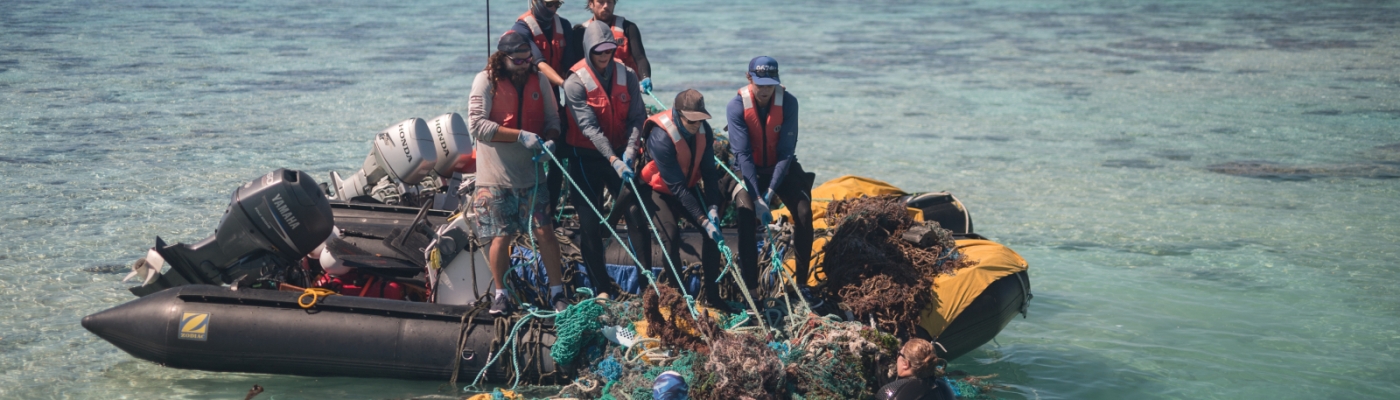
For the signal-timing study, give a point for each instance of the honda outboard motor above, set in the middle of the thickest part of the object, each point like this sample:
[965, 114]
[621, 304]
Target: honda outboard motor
[401, 155]
[270, 223]
[453, 144]
[454, 156]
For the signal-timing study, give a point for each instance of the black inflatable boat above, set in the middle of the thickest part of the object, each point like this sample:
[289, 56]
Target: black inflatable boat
[210, 313]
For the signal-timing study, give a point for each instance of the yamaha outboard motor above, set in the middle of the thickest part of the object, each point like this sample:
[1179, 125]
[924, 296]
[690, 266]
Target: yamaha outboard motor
[399, 156]
[270, 223]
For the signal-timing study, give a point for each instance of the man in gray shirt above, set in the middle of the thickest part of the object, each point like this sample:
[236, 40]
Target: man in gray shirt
[511, 104]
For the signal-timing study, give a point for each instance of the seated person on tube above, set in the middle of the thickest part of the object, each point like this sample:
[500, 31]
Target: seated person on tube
[681, 145]
[763, 138]
[511, 104]
[605, 120]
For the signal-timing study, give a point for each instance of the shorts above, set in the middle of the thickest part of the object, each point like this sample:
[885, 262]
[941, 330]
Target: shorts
[503, 211]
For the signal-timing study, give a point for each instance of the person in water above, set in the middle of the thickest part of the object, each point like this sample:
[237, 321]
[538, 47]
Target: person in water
[919, 376]
[511, 105]
[763, 137]
[681, 144]
[629, 39]
[603, 99]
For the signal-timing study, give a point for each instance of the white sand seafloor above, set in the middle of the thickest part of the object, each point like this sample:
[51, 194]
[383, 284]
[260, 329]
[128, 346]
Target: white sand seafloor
[1083, 134]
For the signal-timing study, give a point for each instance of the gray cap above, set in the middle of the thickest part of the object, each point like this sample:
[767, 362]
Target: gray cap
[513, 42]
[691, 105]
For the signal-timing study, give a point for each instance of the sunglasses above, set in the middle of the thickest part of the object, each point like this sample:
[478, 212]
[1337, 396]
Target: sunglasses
[553, 4]
[518, 61]
[765, 73]
[599, 53]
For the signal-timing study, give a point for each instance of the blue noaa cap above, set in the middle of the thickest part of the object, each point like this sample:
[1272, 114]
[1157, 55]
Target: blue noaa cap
[764, 71]
[670, 386]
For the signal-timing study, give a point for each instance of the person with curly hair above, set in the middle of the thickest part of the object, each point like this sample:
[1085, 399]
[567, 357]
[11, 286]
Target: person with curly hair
[512, 115]
[920, 375]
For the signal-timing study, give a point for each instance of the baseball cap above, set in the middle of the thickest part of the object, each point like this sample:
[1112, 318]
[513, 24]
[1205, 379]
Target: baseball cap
[764, 71]
[670, 386]
[512, 42]
[691, 105]
[605, 46]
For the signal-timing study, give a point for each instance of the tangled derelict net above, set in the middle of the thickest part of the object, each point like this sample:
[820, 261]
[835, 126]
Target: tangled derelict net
[874, 270]
[829, 359]
[668, 318]
[739, 365]
[871, 266]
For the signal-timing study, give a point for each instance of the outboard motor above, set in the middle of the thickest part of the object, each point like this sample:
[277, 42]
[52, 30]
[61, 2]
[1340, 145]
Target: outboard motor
[453, 144]
[270, 223]
[399, 156]
[455, 155]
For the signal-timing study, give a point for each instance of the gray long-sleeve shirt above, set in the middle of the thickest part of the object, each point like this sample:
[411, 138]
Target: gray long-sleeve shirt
[504, 164]
[576, 99]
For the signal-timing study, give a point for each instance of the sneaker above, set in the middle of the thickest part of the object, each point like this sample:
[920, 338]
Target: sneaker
[560, 302]
[501, 306]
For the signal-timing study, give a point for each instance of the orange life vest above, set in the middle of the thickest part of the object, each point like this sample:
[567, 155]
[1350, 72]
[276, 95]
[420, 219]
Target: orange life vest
[763, 135]
[624, 52]
[511, 110]
[610, 111]
[552, 47]
[690, 163]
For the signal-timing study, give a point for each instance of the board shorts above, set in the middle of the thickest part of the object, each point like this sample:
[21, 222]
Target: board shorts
[503, 211]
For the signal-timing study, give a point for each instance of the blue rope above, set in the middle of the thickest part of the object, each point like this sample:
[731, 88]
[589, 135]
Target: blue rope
[689, 300]
[515, 349]
[650, 277]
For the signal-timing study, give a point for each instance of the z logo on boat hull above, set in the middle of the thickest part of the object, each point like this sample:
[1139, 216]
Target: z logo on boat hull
[194, 326]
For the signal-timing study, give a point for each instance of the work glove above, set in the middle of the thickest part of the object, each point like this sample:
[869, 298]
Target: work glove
[768, 197]
[765, 214]
[713, 231]
[623, 171]
[714, 221]
[530, 140]
[646, 85]
[629, 156]
[541, 156]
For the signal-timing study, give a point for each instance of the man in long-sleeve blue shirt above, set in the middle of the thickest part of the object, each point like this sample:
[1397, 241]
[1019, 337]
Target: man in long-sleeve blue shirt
[681, 145]
[763, 138]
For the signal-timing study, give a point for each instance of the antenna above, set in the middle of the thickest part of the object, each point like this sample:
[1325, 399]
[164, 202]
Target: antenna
[488, 29]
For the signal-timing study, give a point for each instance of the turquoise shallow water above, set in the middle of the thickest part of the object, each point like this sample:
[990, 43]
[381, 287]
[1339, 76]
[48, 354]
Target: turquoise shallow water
[1081, 133]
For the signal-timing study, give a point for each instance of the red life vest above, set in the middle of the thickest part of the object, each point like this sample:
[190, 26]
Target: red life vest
[763, 135]
[610, 111]
[690, 163]
[551, 47]
[624, 53]
[511, 110]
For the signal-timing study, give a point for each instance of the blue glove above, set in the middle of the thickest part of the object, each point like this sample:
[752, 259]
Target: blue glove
[530, 141]
[765, 215]
[623, 171]
[541, 156]
[768, 197]
[714, 221]
[713, 231]
[646, 85]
